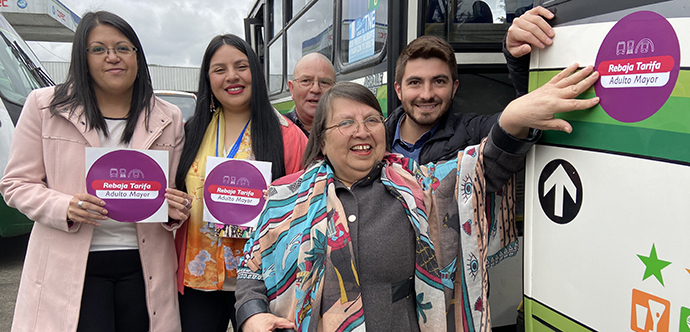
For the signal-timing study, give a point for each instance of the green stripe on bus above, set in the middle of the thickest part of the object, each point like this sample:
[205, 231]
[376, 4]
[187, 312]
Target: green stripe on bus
[624, 139]
[284, 107]
[537, 316]
[382, 96]
[539, 78]
[673, 116]
[594, 128]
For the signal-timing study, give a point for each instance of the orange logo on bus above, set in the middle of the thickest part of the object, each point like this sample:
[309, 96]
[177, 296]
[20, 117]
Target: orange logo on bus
[649, 312]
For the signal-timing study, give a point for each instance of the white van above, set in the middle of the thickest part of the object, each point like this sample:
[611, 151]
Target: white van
[20, 72]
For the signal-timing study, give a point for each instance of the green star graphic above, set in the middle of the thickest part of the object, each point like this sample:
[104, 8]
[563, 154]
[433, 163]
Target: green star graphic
[653, 266]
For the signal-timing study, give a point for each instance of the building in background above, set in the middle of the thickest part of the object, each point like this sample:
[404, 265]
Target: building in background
[41, 20]
[52, 21]
[162, 77]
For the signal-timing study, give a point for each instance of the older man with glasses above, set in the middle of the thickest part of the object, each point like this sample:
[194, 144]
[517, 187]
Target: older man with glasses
[313, 75]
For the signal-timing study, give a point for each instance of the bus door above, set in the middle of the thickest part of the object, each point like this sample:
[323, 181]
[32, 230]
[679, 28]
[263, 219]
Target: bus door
[607, 209]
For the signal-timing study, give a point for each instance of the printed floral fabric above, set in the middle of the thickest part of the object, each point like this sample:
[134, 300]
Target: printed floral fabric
[302, 242]
[209, 258]
[474, 231]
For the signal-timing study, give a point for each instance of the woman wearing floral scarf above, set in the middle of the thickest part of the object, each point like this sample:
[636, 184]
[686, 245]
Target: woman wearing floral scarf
[361, 239]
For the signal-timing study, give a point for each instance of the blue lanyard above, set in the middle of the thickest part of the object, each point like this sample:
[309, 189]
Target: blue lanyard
[235, 146]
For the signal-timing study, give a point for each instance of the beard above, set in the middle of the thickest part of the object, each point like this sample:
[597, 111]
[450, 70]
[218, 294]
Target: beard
[427, 118]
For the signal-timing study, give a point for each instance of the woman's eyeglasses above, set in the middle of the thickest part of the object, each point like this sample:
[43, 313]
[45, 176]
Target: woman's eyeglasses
[350, 127]
[119, 50]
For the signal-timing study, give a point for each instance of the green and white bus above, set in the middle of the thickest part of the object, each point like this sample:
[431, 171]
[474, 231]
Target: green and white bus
[20, 72]
[369, 35]
[282, 31]
[607, 222]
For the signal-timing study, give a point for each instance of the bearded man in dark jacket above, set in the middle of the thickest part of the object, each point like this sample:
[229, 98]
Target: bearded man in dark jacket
[425, 129]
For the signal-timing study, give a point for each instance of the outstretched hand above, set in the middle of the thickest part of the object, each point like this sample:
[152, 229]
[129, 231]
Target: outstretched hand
[265, 322]
[530, 29]
[537, 108]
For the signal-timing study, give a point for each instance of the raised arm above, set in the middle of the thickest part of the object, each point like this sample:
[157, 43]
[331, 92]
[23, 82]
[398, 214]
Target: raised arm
[530, 30]
[527, 31]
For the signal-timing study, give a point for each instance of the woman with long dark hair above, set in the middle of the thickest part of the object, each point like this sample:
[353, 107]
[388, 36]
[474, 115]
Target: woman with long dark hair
[84, 271]
[234, 118]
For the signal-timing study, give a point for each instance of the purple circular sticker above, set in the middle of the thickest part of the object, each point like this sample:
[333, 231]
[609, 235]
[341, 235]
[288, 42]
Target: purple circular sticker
[233, 192]
[638, 62]
[131, 183]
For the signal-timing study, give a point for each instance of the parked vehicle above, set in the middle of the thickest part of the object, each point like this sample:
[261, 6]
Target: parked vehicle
[20, 73]
[184, 100]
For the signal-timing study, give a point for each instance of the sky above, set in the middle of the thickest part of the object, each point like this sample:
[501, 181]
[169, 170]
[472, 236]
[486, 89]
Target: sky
[172, 33]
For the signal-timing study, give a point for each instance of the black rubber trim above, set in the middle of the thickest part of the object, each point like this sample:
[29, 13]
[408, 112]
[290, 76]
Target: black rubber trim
[570, 10]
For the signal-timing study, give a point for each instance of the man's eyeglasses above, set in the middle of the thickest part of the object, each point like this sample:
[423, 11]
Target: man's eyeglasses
[119, 50]
[350, 127]
[308, 82]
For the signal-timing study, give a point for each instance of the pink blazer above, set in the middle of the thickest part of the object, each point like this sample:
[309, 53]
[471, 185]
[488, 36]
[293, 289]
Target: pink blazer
[46, 168]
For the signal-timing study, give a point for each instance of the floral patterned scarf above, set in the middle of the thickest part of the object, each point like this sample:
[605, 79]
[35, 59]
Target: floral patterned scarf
[302, 241]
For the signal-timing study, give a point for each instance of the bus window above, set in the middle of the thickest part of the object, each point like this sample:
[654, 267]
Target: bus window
[254, 31]
[254, 34]
[481, 23]
[312, 32]
[364, 29]
[275, 66]
[297, 5]
[258, 31]
[276, 18]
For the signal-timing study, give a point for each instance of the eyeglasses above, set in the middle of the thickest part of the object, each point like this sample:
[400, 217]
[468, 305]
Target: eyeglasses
[308, 82]
[350, 127]
[119, 50]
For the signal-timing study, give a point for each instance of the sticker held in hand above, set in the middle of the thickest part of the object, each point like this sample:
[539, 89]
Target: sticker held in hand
[233, 190]
[131, 183]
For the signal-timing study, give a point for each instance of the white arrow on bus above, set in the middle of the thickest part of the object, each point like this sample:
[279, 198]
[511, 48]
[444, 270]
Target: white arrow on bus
[560, 180]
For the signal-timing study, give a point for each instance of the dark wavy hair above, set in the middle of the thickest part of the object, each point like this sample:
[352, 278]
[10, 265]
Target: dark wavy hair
[426, 47]
[267, 138]
[347, 90]
[77, 90]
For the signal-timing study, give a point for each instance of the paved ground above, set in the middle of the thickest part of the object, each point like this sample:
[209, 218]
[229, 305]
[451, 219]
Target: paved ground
[12, 252]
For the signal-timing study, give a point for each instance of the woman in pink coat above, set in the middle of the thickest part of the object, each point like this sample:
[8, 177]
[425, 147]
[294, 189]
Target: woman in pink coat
[84, 271]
